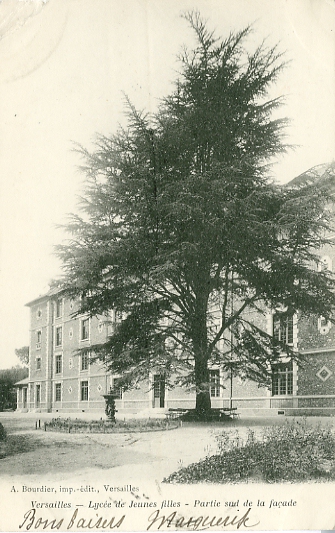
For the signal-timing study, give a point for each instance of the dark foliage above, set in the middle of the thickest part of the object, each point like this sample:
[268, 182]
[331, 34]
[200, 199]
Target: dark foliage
[184, 233]
[8, 378]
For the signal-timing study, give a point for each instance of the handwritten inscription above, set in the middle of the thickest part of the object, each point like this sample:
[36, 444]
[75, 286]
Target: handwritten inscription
[156, 522]
[198, 523]
[31, 520]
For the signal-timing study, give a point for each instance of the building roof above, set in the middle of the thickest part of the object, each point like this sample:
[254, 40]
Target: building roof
[24, 381]
[52, 292]
[319, 175]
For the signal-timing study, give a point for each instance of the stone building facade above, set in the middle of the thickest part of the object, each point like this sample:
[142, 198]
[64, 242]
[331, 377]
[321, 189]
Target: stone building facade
[63, 381]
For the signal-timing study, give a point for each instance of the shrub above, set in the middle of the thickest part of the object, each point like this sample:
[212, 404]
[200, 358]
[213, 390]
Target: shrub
[292, 452]
[3, 434]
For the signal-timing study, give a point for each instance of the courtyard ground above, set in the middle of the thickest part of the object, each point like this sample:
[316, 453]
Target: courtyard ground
[147, 455]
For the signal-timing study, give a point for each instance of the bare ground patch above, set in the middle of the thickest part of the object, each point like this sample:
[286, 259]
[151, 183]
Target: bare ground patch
[42, 453]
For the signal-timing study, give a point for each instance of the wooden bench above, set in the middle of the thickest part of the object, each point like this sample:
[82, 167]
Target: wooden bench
[230, 411]
[175, 413]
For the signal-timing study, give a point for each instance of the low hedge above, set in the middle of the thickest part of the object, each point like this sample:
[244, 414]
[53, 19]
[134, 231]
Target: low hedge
[68, 425]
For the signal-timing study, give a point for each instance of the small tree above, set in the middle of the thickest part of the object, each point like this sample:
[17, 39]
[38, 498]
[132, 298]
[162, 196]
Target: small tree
[8, 378]
[23, 354]
[184, 233]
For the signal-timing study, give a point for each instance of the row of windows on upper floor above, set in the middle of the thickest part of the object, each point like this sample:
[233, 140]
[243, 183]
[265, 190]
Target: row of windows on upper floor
[58, 368]
[84, 332]
[325, 263]
[84, 363]
[84, 328]
[283, 328]
[58, 310]
[283, 331]
[282, 325]
[57, 307]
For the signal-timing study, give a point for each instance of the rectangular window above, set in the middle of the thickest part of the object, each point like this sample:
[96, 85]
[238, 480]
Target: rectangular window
[84, 361]
[59, 336]
[282, 379]
[59, 308]
[85, 329]
[214, 380]
[283, 328]
[38, 363]
[58, 392]
[84, 391]
[38, 339]
[58, 369]
[38, 395]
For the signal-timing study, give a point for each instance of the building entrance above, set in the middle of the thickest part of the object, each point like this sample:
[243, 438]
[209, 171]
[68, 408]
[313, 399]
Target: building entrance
[159, 391]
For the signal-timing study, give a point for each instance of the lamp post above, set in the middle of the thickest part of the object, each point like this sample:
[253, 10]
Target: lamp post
[231, 343]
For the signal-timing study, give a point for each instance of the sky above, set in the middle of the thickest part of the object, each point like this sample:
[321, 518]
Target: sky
[65, 66]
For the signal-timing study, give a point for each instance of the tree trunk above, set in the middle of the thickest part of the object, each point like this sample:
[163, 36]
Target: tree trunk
[203, 399]
[200, 347]
[199, 337]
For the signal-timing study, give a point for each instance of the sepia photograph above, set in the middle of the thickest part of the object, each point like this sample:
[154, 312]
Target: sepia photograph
[167, 264]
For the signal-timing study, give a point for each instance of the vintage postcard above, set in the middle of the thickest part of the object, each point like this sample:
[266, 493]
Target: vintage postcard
[167, 257]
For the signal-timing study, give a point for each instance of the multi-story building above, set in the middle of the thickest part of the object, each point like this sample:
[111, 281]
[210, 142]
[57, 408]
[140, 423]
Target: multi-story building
[62, 380]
